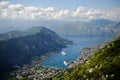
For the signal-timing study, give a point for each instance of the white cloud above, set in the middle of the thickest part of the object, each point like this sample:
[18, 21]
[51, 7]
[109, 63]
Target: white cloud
[49, 9]
[3, 4]
[79, 11]
[61, 14]
[113, 14]
[18, 11]
[15, 6]
[94, 14]
[86, 14]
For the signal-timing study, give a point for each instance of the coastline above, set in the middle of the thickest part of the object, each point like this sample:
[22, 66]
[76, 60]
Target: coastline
[86, 54]
[34, 69]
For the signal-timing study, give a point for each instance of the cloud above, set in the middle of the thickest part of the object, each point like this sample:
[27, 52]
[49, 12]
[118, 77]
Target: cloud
[61, 14]
[3, 4]
[18, 11]
[84, 13]
[49, 9]
[79, 11]
[113, 14]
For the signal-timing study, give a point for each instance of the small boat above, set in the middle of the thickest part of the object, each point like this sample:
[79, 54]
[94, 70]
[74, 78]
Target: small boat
[63, 53]
[65, 63]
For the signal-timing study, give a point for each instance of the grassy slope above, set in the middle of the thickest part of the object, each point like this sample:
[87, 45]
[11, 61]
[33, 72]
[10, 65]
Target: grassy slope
[105, 64]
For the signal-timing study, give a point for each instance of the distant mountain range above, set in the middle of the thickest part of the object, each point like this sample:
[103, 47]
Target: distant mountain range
[17, 47]
[103, 65]
[99, 27]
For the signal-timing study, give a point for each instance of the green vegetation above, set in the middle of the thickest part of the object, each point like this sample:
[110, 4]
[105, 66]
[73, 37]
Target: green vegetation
[104, 65]
[38, 71]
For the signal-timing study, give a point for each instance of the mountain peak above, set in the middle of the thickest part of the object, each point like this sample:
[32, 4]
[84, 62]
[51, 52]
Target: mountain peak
[15, 34]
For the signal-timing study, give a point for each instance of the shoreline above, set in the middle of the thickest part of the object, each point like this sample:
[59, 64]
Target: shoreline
[34, 69]
[86, 54]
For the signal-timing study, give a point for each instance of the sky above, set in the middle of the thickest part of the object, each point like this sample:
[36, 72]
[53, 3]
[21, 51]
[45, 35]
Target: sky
[80, 10]
[70, 4]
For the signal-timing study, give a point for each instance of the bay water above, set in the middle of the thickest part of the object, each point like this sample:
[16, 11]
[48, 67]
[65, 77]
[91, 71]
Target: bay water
[73, 51]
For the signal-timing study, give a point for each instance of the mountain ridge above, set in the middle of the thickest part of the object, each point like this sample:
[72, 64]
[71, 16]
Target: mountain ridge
[93, 28]
[17, 33]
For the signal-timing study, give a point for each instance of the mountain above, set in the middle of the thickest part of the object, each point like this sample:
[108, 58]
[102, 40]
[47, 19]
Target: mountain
[99, 27]
[10, 35]
[19, 50]
[101, 22]
[15, 34]
[103, 65]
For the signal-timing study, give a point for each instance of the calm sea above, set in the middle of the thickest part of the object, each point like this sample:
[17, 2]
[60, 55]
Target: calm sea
[73, 51]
